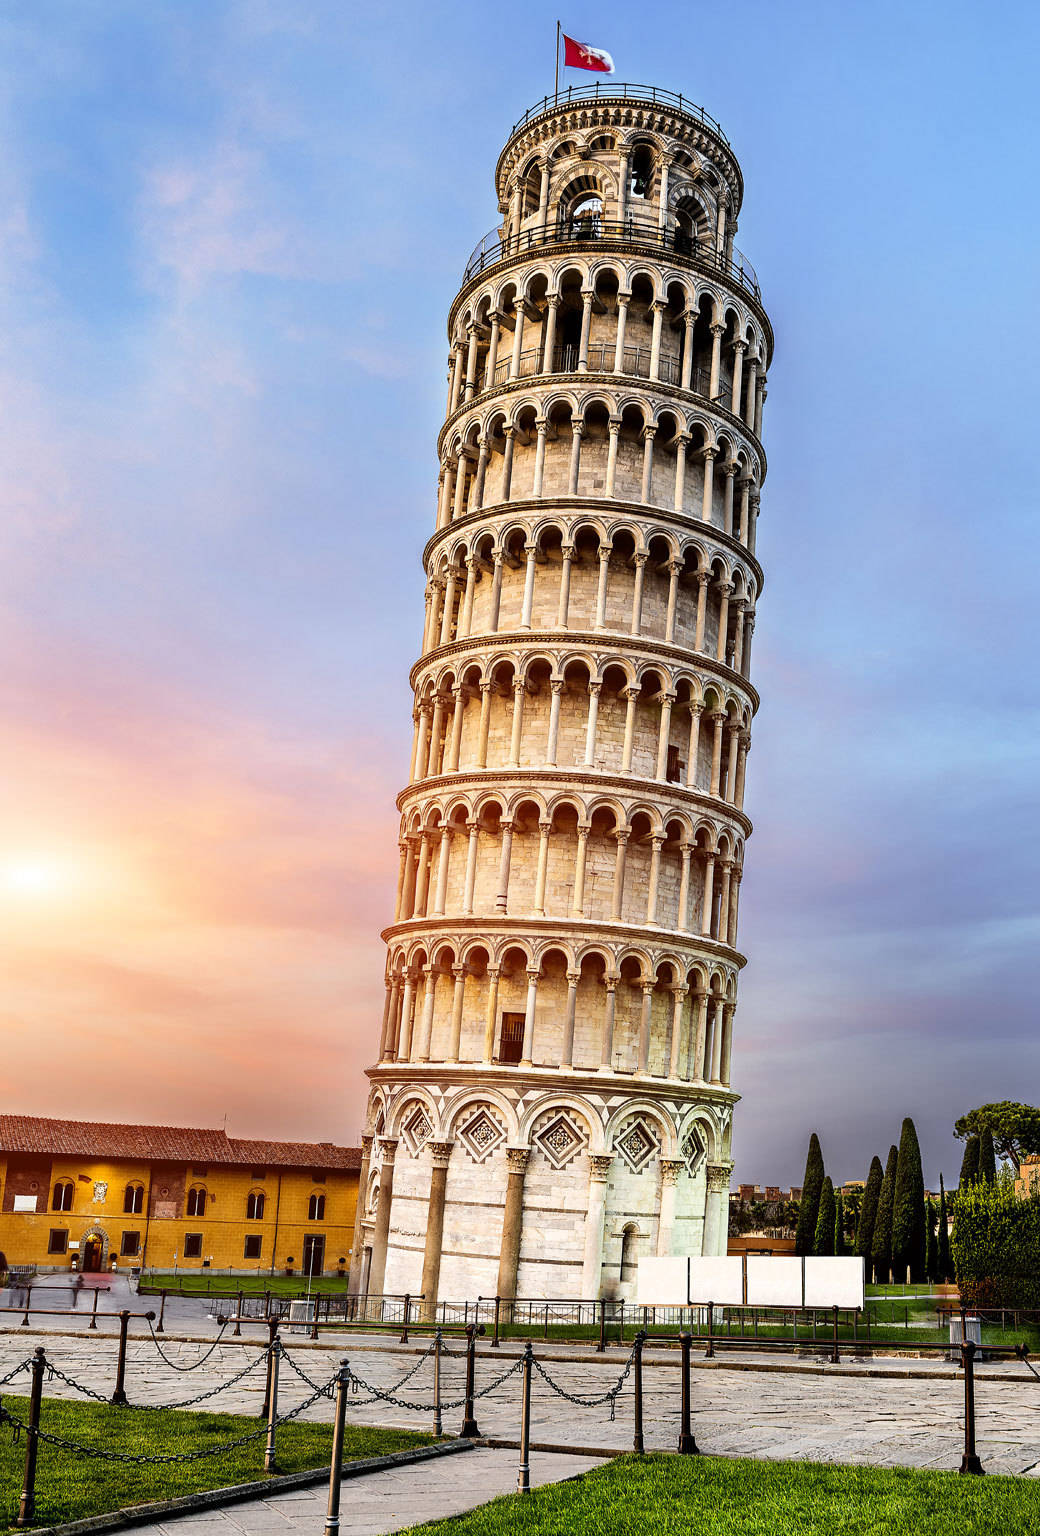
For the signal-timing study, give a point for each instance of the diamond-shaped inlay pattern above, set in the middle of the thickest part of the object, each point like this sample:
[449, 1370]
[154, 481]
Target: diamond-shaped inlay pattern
[417, 1130]
[560, 1140]
[481, 1135]
[693, 1150]
[636, 1145]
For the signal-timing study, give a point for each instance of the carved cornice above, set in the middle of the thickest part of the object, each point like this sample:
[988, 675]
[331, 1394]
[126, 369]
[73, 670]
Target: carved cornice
[582, 930]
[551, 1081]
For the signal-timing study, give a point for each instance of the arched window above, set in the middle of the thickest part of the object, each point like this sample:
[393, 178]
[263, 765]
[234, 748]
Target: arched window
[62, 1196]
[255, 1202]
[196, 1201]
[629, 1239]
[316, 1208]
[641, 171]
[586, 217]
[133, 1199]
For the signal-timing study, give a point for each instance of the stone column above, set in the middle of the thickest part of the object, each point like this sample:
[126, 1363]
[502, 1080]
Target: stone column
[579, 870]
[466, 621]
[599, 1169]
[422, 1053]
[682, 441]
[481, 474]
[706, 898]
[541, 427]
[745, 493]
[715, 1231]
[441, 894]
[445, 490]
[727, 875]
[674, 569]
[739, 348]
[377, 1271]
[484, 728]
[671, 1168]
[354, 1275]
[734, 899]
[729, 470]
[517, 724]
[433, 767]
[527, 1052]
[544, 828]
[404, 847]
[639, 561]
[657, 843]
[577, 430]
[455, 744]
[614, 428]
[601, 590]
[679, 995]
[759, 404]
[683, 916]
[725, 592]
[517, 1159]
[619, 342]
[643, 1059]
[666, 701]
[716, 1044]
[662, 196]
[565, 587]
[457, 999]
[709, 455]
[718, 719]
[731, 764]
[689, 321]
[717, 333]
[471, 363]
[698, 1036]
[386, 1044]
[657, 309]
[567, 1054]
[556, 687]
[509, 433]
[587, 296]
[531, 551]
[631, 697]
[752, 392]
[727, 1041]
[543, 190]
[502, 895]
[646, 489]
[492, 356]
[742, 752]
[696, 709]
[618, 897]
[520, 312]
[440, 1153]
[460, 482]
[703, 577]
[607, 1043]
[471, 868]
[491, 1020]
[422, 876]
[739, 605]
[590, 727]
[456, 377]
[552, 302]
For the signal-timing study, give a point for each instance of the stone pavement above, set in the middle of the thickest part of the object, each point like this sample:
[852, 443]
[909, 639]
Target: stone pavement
[864, 1412]
[380, 1501]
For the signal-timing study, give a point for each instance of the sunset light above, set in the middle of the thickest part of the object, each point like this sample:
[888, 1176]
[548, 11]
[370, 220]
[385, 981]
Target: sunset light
[36, 878]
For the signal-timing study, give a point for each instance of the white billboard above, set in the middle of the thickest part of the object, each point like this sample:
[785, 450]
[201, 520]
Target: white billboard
[662, 1282]
[720, 1280]
[773, 1282]
[834, 1282]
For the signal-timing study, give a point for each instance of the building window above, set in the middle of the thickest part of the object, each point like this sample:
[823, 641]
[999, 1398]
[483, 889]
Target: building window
[254, 1242]
[316, 1208]
[258, 1173]
[131, 1244]
[200, 1172]
[62, 1197]
[193, 1245]
[511, 1046]
[58, 1242]
[255, 1202]
[318, 1175]
[133, 1200]
[196, 1202]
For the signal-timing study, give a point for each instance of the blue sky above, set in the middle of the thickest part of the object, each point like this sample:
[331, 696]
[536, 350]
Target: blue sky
[229, 236]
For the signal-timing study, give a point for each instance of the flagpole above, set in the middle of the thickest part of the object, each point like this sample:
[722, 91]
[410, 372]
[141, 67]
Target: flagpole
[556, 87]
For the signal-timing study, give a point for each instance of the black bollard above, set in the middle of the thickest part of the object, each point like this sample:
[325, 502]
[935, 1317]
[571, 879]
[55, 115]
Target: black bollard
[272, 1332]
[523, 1478]
[498, 1309]
[637, 1372]
[687, 1444]
[27, 1503]
[272, 1407]
[336, 1469]
[602, 1344]
[407, 1312]
[119, 1395]
[970, 1462]
[93, 1314]
[438, 1427]
[469, 1430]
[835, 1357]
[162, 1309]
[238, 1318]
[709, 1353]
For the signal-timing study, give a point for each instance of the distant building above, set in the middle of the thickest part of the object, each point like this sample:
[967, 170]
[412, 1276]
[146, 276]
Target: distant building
[1028, 1181]
[81, 1195]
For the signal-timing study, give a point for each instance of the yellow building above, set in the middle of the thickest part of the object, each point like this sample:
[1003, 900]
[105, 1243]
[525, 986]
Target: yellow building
[81, 1195]
[1028, 1181]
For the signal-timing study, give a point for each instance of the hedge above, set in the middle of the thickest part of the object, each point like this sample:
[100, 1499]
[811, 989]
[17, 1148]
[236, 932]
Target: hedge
[996, 1245]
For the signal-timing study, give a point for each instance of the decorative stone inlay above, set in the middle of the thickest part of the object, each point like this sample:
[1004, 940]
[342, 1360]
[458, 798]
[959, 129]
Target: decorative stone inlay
[636, 1145]
[693, 1150]
[481, 1134]
[560, 1140]
[417, 1130]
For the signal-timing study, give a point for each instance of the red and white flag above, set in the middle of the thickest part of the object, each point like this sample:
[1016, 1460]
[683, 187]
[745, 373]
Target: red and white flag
[581, 56]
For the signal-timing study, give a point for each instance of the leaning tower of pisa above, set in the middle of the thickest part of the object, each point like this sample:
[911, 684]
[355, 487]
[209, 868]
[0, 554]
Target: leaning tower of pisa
[552, 1095]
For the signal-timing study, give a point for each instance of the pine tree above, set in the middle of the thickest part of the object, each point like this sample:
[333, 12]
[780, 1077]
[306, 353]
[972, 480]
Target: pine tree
[868, 1210]
[809, 1208]
[970, 1162]
[943, 1261]
[839, 1227]
[931, 1262]
[987, 1158]
[881, 1243]
[823, 1238]
[908, 1234]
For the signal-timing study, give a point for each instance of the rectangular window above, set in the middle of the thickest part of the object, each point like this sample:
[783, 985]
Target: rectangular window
[258, 1173]
[253, 1245]
[318, 1176]
[193, 1245]
[58, 1242]
[131, 1244]
[511, 1047]
[200, 1172]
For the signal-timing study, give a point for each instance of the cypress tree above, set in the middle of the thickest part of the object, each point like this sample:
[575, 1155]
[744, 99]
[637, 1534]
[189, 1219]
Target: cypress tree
[809, 1208]
[944, 1264]
[987, 1158]
[823, 1238]
[839, 1227]
[970, 1162]
[931, 1262]
[908, 1227]
[881, 1244]
[868, 1210]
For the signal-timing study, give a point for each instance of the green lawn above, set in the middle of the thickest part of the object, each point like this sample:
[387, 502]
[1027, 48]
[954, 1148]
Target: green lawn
[69, 1487]
[250, 1285]
[677, 1496]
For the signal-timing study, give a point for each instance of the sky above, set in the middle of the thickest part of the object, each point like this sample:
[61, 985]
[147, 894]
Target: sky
[229, 237]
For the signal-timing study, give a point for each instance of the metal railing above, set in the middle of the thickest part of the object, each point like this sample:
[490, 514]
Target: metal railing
[583, 230]
[625, 92]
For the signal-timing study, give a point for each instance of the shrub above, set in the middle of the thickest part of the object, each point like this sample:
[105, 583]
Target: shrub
[881, 1246]
[996, 1245]
[868, 1210]
[809, 1208]
[823, 1238]
[908, 1234]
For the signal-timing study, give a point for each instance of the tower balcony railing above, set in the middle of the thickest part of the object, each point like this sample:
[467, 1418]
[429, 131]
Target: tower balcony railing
[635, 363]
[612, 92]
[591, 227]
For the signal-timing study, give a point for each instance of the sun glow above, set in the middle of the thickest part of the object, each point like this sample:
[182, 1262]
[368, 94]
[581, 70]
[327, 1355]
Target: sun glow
[36, 878]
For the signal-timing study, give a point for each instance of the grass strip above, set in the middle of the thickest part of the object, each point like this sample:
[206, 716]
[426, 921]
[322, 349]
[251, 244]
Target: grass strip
[71, 1487]
[673, 1496]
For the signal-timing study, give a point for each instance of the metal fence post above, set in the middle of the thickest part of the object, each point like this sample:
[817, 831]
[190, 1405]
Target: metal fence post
[835, 1357]
[27, 1503]
[523, 1480]
[687, 1444]
[969, 1461]
[709, 1353]
[438, 1427]
[93, 1314]
[272, 1405]
[469, 1430]
[637, 1368]
[336, 1469]
[602, 1344]
[119, 1395]
[498, 1310]
[272, 1332]
[162, 1309]
[238, 1318]
[28, 1295]
[407, 1311]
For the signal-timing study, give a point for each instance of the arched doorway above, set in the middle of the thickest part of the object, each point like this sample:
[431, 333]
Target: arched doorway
[92, 1253]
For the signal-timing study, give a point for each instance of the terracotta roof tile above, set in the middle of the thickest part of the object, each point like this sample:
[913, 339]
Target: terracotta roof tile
[164, 1143]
